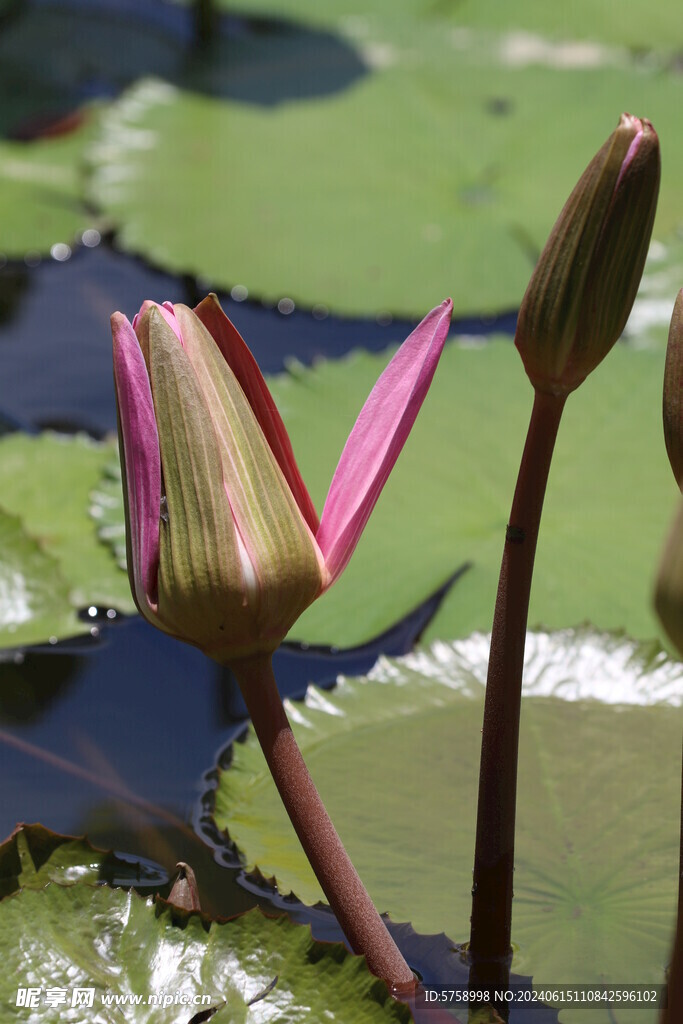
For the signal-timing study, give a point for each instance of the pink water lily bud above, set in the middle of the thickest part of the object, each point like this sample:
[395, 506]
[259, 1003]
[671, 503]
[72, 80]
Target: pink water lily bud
[225, 549]
[582, 290]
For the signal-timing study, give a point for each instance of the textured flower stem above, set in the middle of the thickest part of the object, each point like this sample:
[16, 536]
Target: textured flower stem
[494, 849]
[363, 927]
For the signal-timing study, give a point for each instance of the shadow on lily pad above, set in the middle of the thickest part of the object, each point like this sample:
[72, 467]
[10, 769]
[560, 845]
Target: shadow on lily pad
[54, 56]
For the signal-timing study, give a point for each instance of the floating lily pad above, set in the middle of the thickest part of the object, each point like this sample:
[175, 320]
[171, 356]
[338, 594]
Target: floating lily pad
[448, 498]
[33, 856]
[648, 325]
[67, 941]
[54, 61]
[41, 192]
[396, 758]
[33, 592]
[107, 510]
[46, 481]
[644, 27]
[438, 172]
[609, 503]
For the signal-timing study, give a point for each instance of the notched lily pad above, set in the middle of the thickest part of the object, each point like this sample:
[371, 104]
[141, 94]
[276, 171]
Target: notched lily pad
[252, 968]
[396, 758]
[33, 856]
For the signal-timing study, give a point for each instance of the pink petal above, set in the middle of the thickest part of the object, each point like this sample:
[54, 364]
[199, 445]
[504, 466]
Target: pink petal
[242, 363]
[377, 438]
[142, 486]
[166, 310]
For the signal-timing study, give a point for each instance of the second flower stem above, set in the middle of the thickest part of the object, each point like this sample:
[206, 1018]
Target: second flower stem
[495, 838]
[363, 927]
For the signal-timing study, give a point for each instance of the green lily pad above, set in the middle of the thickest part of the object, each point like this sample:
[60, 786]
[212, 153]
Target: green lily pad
[439, 171]
[648, 325]
[33, 856]
[33, 592]
[106, 508]
[46, 481]
[644, 28]
[396, 759]
[47, 69]
[608, 508]
[41, 192]
[80, 942]
[610, 496]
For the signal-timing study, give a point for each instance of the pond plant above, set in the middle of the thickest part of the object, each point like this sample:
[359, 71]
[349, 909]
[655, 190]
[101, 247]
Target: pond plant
[225, 548]
[575, 307]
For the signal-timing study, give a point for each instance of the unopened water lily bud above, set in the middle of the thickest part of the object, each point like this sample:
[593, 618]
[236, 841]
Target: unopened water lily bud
[673, 392]
[582, 290]
[225, 548]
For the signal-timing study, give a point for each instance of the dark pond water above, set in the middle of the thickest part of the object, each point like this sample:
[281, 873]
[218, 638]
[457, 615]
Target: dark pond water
[55, 342]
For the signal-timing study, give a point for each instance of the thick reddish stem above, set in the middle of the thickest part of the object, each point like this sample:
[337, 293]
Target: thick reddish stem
[363, 927]
[494, 850]
[674, 1012]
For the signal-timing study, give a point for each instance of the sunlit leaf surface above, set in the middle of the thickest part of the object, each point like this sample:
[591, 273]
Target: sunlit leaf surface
[33, 856]
[57, 565]
[42, 205]
[34, 596]
[448, 499]
[644, 28]
[255, 969]
[379, 161]
[107, 510]
[396, 758]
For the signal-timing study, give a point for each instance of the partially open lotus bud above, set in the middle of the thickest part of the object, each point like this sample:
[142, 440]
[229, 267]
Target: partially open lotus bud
[225, 549]
[582, 290]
